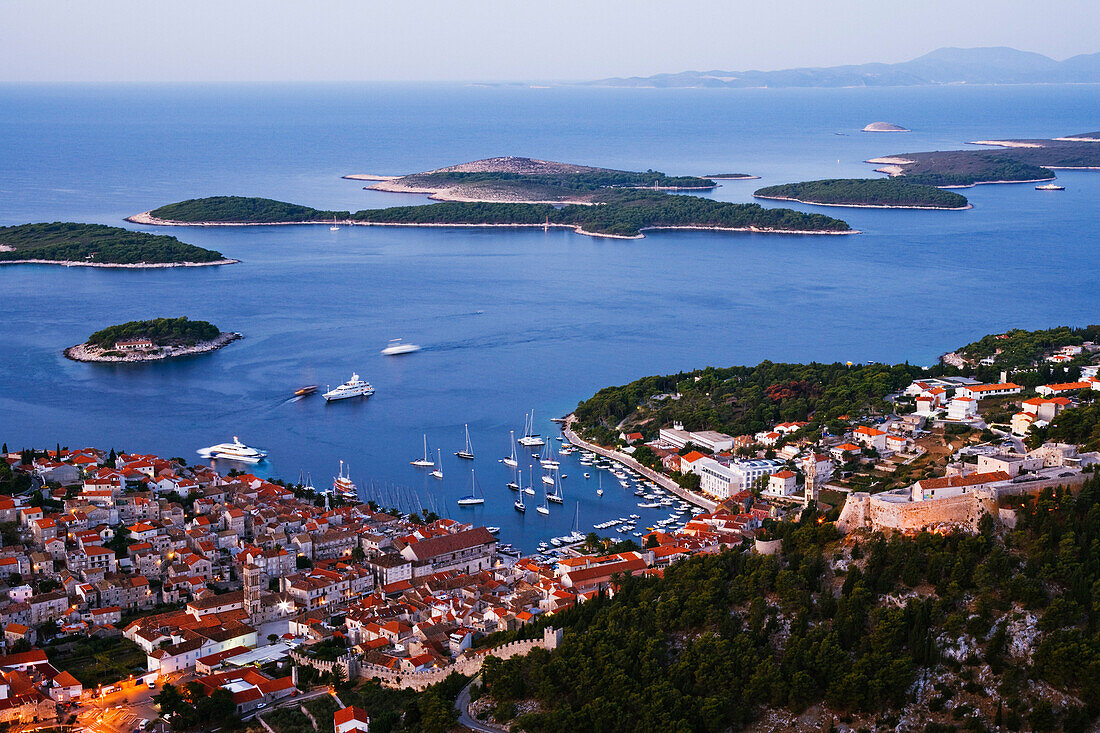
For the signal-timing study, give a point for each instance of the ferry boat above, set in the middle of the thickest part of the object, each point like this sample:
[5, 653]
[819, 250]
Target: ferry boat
[1050, 187]
[235, 451]
[343, 485]
[397, 347]
[354, 387]
[305, 391]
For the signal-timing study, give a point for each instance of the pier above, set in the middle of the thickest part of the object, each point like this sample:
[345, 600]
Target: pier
[660, 479]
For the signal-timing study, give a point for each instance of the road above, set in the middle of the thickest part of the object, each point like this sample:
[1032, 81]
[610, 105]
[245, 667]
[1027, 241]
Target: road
[462, 704]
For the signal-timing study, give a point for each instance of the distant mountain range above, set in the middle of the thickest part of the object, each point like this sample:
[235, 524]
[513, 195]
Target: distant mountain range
[998, 65]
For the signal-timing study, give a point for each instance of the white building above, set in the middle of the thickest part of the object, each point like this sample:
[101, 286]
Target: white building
[782, 483]
[962, 409]
[711, 440]
[723, 481]
[981, 391]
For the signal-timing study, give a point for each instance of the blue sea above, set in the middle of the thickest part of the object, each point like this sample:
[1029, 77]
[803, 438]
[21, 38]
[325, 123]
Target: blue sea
[510, 321]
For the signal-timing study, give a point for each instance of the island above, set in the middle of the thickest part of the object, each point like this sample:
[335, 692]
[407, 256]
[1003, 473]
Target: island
[152, 340]
[1019, 161]
[877, 193]
[884, 127]
[234, 209]
[528, 180]
[616, 213]
[97, 245]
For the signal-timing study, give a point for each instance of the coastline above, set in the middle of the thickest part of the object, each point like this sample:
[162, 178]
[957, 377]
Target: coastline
[576, 229]
[84, 353]
[732, 178]
[121, 265]
[866, 206]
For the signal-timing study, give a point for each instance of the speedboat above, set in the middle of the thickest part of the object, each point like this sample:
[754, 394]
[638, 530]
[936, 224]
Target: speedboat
[354, 387]
[235, 451]
[493, 530]
[304, 391]
[397, 347]
[1050, 187]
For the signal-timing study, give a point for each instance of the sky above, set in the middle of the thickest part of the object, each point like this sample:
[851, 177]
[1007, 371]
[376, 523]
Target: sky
[498, 40]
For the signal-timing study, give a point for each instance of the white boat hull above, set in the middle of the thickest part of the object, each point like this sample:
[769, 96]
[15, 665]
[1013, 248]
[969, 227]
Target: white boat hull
[470, 501]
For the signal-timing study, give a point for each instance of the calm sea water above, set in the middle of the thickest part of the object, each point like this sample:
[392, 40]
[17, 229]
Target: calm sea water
[510, 320]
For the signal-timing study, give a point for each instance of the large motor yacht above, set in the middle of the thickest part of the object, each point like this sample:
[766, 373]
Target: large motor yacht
[235, 451]
[354, 387]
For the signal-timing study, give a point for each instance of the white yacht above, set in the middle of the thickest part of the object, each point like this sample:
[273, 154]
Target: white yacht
[511, 460]
[235, 451]
[354, 387]
[529, 438]
[473, 498]
[424, 462]
[397, 347]
[438, 471]
[468, 451]
[334, 227]
[343, 485]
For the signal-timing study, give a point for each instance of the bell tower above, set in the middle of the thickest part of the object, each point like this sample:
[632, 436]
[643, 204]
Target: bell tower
[253, 585]
[810, 470]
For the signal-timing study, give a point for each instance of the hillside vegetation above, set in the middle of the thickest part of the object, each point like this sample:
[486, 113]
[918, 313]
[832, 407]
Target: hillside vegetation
[162, 331]
[742, 400]
[1019, 348]
[622, 213]
[865, 192]
[243, 209]
[70, 242]
[948, 632]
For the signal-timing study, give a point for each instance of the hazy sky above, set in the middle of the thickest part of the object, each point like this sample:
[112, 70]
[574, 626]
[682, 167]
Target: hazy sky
[307, 40]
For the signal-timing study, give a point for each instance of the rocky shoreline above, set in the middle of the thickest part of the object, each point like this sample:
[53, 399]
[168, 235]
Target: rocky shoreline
[94, 354]
[121, 265]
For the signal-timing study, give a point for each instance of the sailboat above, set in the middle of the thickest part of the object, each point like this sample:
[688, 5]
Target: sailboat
[424, 462]
[530, 488]
[599, 491]
[548, 460]
[514, 483]
[473, 497]
[576, 535]
[468, 451]
[529, 438]
[548, 477]
[511, 460]
[334, 228]
[555, 495]
[518, 504]
[438, 471]
[545, 508]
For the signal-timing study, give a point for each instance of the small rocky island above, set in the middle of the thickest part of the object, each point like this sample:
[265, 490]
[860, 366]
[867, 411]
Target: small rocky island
[97, 245]
[885, 127]
[153, 340]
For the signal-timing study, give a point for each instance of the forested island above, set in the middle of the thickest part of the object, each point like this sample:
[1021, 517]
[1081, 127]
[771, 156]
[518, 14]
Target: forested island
[612, 213]
[151, 340]
[516, 179]
[1020, 161]
[239, 209]
[97, 245]
[887, 193]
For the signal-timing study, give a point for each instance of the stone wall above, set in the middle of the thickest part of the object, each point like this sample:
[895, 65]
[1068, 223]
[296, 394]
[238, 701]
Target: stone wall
[467, 665]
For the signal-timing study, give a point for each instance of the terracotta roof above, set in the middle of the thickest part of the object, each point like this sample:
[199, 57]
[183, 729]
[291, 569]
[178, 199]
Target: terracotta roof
[973, 479]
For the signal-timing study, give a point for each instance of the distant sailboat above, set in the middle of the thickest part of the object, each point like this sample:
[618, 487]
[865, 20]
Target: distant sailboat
[438, 471]
[599, 491]
[334, 228]
[473, 497]
[424, 462]
[530, 439]
[468, 451]
[518, 504]
[511, 460]
[530, 488]
[555, 495]
[544, 509]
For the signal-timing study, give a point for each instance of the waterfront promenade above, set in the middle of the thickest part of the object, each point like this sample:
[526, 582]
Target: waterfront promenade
[660, 479]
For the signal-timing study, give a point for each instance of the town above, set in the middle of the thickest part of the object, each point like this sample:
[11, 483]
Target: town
[272, 593]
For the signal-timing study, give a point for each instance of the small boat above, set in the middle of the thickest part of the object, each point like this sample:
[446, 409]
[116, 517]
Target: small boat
[599, 491]
[494, 530]
[518, 505]
[473, 498]
[555, 495]
[587, 475]
[468, 451]
[334, 228]
[511, 460]
[235, 451]
[304, 391]
[1050, 187]
[424, 462]
[547, 459]
[437, 472]
[513, 486]
[548, 480]
[396, 347]
[354, 387]
[545, 508]
[529, 438]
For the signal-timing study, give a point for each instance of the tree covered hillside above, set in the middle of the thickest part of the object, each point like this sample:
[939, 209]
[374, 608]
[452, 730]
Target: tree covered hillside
[162, 331]
[1001, 628]
[865, 192]
[69, 242]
